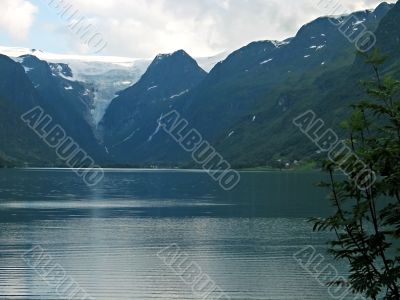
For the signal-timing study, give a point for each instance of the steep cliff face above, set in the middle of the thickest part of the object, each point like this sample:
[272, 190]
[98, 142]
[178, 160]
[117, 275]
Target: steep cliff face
[18, 143]
[130, 122]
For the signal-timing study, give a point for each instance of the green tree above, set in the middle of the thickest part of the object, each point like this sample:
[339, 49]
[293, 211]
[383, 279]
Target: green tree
[367, 217]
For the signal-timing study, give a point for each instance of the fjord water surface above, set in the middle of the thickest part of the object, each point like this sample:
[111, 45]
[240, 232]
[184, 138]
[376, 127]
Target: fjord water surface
[107, 237]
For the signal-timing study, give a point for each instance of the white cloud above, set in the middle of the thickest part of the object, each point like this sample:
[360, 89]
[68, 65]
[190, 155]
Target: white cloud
[202, 27]
[17, 17]
[144, 28]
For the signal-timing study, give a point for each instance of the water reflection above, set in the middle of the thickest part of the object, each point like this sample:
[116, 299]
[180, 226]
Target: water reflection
[107, 237]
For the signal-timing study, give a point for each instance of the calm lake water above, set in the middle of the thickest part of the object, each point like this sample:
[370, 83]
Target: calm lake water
[107, 237]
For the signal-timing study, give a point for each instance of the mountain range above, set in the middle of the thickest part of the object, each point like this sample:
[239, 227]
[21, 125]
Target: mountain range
[242, 103]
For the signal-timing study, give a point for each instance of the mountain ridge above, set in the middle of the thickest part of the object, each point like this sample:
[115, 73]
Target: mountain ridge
[131, 119]
[249, 95]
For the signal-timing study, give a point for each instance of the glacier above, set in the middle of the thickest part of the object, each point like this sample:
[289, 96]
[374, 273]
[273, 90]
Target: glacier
[106, 76]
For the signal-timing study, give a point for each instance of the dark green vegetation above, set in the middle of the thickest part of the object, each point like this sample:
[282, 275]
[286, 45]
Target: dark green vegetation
[244, 107]
[17, 95]
[130, 123]
[367, 217]
[328, 92]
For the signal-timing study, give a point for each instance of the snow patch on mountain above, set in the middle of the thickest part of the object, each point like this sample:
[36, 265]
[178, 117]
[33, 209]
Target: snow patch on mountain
[27, 69]
[179, 94]
[266, 61]
[157, 130]
[279, 44]
[358, 22]
[152, 87]
[208, 63]
[130, 136]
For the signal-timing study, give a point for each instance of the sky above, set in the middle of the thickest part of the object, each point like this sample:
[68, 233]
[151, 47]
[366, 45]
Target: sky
[145, 28]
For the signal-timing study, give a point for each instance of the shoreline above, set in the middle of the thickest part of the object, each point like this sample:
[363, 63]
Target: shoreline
[110, 169]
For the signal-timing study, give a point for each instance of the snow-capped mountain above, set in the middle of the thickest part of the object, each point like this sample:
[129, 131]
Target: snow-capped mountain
[28, 82]
[244, 106]
[104, 76]
[105, 79]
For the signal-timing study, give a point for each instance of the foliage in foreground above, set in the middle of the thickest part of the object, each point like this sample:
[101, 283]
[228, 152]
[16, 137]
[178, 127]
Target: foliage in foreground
[367, 219]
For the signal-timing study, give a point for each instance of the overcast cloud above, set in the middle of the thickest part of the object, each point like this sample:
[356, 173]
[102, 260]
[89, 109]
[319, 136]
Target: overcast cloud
[144, 28]
[16, 18]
